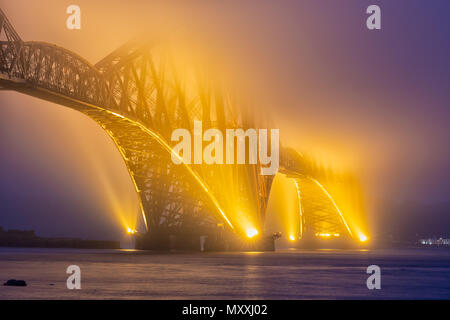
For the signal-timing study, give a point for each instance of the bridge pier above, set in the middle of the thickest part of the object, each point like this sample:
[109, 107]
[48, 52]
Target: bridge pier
[311, 241]
[201, 242]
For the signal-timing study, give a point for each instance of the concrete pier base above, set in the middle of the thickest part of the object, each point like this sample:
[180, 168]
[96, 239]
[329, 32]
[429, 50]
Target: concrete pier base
[201, 242]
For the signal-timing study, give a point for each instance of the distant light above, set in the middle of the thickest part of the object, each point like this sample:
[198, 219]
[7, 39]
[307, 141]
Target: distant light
[324, 235]
[252, 232]
[292, 238]
[131, 231]
[362, 238]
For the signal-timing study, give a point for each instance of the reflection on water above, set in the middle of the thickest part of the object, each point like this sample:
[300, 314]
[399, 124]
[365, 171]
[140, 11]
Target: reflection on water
[287, 274]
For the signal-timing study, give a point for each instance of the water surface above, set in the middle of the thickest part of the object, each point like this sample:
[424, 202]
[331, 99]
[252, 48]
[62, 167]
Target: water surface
[285, 274]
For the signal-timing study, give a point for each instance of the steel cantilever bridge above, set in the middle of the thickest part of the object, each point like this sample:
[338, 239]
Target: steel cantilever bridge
[137, 96]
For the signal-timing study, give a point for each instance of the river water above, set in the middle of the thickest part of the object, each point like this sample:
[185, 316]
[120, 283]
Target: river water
[285, 274]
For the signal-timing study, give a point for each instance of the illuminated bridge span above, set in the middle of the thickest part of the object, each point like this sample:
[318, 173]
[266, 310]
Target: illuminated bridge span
[138, 96]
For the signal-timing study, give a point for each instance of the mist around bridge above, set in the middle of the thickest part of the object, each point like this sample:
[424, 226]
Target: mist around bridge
[355, 101]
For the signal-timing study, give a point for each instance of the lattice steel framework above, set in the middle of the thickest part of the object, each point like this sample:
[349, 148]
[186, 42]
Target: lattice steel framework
[137, 97]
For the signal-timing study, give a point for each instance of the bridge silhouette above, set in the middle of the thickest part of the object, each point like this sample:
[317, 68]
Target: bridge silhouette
[138, 97]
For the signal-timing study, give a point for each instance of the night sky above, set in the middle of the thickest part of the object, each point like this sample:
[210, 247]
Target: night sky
[374, 102]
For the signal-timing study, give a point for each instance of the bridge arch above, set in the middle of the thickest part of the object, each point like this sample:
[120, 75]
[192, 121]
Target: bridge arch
[137, 102]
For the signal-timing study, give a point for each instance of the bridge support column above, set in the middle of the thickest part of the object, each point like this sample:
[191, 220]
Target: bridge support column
[208, 242]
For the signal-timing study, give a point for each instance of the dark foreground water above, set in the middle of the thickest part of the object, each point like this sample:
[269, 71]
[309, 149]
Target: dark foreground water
[290, 274]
